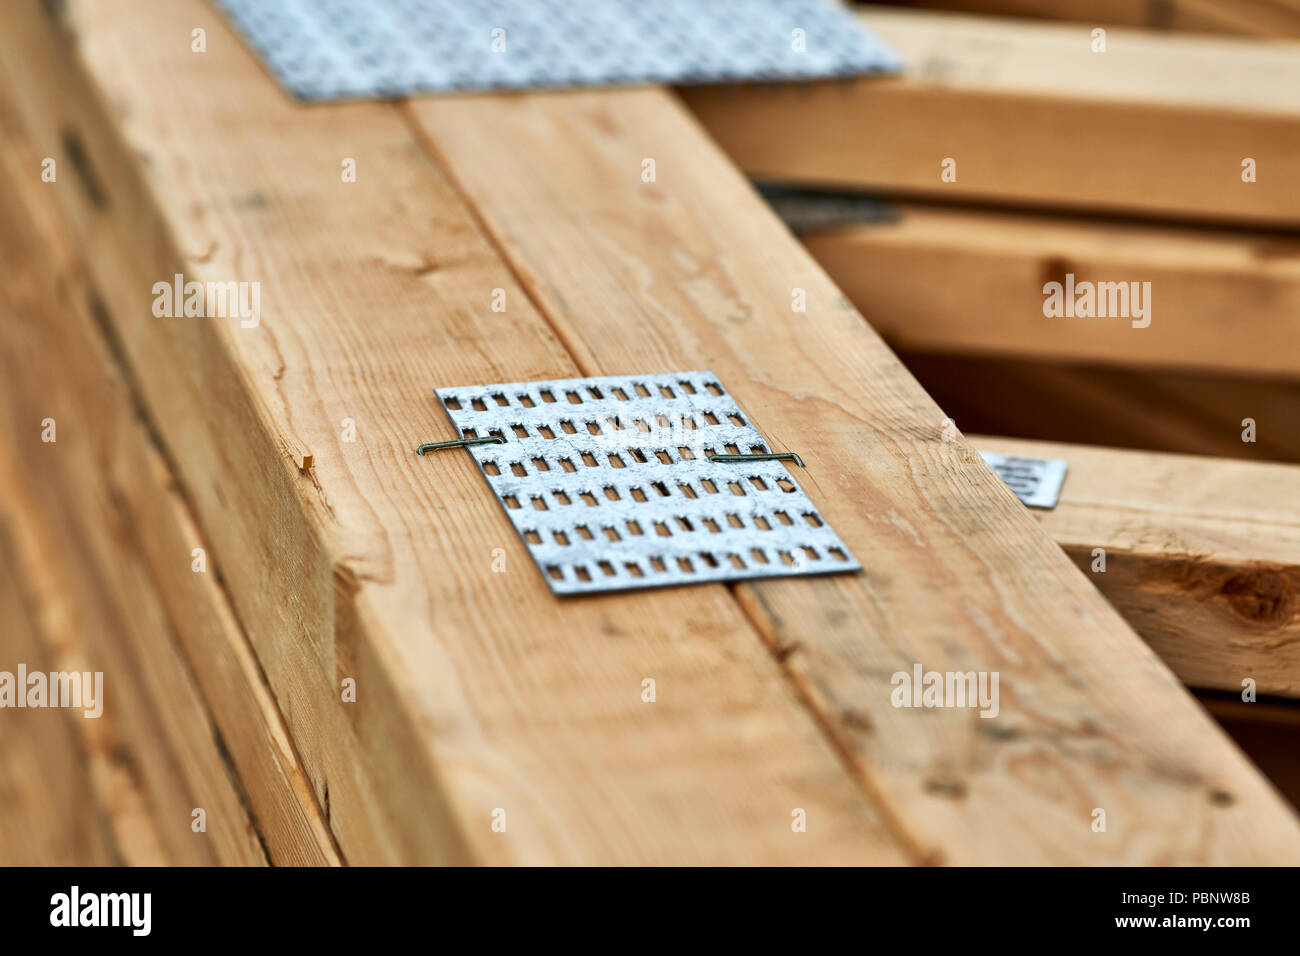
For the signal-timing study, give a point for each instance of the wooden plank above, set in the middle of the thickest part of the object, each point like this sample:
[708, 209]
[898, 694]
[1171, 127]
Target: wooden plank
[1202, 555]
[132, 768]
[692, 269]
[96, 597]
[950, 779]
[1265, 18]
[476, 690]
[201, 633]
[1115, 407]
[49, 811]
[960, 281]
[1155, 125]
[1266, 730]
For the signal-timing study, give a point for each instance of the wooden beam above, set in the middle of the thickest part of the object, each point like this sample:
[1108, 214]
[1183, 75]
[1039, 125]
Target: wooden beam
[154, 747]
[50, 814]
[1155, 125]
[1264, 18]
[1115, 407]
[141, 502]
[1201, 555]
[690, 268]
[959, 281]
[1267, 730]
[484, 691]
[477, 691]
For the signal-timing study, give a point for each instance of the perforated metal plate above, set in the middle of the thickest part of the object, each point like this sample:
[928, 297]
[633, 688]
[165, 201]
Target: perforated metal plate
[1036, 481]
[335, 49]
[609, 482]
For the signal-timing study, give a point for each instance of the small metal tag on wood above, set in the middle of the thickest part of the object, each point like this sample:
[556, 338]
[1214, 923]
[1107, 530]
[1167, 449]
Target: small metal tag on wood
[1036, 481]
[638, 481]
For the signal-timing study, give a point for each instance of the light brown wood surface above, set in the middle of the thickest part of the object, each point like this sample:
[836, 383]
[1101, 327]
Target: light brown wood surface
[639, 275]
[479, 690]
[69, 365]
[1157, 124]
[1266, 18]
[1266, 730]
[154, 749]
[475, 690]
[49, 811]
[1202, 555]
[962, 281]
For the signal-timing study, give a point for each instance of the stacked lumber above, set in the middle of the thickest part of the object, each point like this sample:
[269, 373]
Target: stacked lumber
[346, 676]
[105, 541]
[1157, 125]
[1202, 555]
[1121, 162]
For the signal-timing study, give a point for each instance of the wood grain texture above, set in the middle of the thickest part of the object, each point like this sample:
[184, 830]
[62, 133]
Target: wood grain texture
[157, 530]
[137, 781]
[93, 594]
[476, 690]
[959, 281]
[691, 270]
[1202, 555]
[1155, 125]
[49, 810]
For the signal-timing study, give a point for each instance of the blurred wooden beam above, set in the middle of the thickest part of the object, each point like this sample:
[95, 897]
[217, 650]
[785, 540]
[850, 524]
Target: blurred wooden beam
[952, 280]
[122, 505]
[1177, 412]
[1202, 555]
[1268, 731]
[51, 814]
[1167, 121]
[1267, 18]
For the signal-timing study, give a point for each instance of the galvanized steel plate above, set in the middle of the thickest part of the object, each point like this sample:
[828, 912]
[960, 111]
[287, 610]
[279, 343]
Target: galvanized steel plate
[610, 484]
[341, 49]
